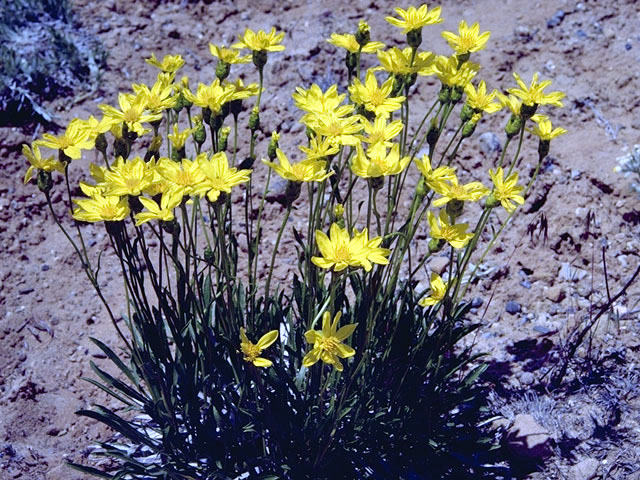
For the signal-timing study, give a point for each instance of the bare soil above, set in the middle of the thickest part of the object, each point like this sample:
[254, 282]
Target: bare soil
[554, 275]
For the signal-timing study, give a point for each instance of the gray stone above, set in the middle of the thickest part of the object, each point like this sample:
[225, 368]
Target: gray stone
[526, 284]
[527, 378]
[513, 307]
[584, 470]
[556, 19]
[528, 440]
[576, 174]
[555, 294]
[542, 329]
[489, 143]
[438, 264]
[567, 272]
[477, 302]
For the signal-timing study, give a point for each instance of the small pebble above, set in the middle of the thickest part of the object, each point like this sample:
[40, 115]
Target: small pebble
[541, 329]
[628, 46]
[526, 284]
[45, 267]
[476, 302]
[489, 143]
[527, 378]
[556, 19]
[576, 174]
[513, 307]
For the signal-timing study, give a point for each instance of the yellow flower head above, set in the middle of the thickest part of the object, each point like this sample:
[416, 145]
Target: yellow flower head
[304, 171]
[48, 164]
[163, 212]
[101, 208]
[95, 127]
[544, 130]
[169, 64]
[375, 98]
[212, 96]
[314, 100]
[380, 132]
[438, 291]
[348, 42]
[340, 251]
[260, 40]
[398, 62]
[131, 113]
[377, 163]
[158, 98]
[452, 74]
[228, 55]
[455, 234]
[219, 177]
[319, 148]
[127, 177]
[415, 18]
[512, 103]
[183, 178]
[75, 139]
[328, 343]
[337, 130]
[506, 191]
[469, 39]
[240, 91]
[470, 192]
[179, 138]
[479, 100]
[251, 352]
[435, 178]
[534, 93]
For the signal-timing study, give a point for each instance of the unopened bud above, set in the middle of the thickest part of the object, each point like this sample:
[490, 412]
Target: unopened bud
[172, 227]
[254, 119]
[121, 148]
[247, 163]
[154, 148]
[543, 148]
[398, 83]
[135, 204]
[444, 95]
[215, 122]
[528, 111]
[422, 189]
[101, 143]
[222, 70]
[224, 138]
[410, 80]
[200, 133]
[177, 154]
[435, 245]
[456, 94]
[513, 126]
[454, 209]
[351, 61]
[433, 134]
[273, 146]
[468, 128]
[206, 115]
[363, 35]
[260, 58]
[338, 211]
[463, 57]
[492, 201]
[292, 192]
[235, 107]
[209, 257]
[376, 182]
[466, 113]
[45, 182]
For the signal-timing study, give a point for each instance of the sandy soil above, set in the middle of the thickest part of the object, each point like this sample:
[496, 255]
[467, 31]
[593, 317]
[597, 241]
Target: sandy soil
[591, 51]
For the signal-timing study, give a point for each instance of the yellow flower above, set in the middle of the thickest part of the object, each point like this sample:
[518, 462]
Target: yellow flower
[469, 40]
[95, 127]
[179, 138]
[260, 40]
[157, 98]
[375, 99]
[163, 212]
[511, 102]
[127, 177]
[398, 61]
[218, 176]
[506, 191]
[456, 235]
[240, 91]
[327, 343]
[452, 74]
[337, 130]
[48, 164]
[470, 192]
[340, 251]
[319, 148]
[534, 93]
[251, 353]
[169, 64]
[228, 55]
[99, 208]
[479, 100]
[131, 113]
[314, 100]
[438, 291]
[376, 162]
[348, 42]
[184, 178]
[75, 139]
[434, 178]
[304, 171]
[414, 18]
[544, 130]
[380, 131]
[212, 96]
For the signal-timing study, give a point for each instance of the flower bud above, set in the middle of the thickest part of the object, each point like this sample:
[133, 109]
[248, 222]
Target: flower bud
[513, 126]
[200, 133]
[454, 209]
[172, 227]
[543, 148]
[468, 128]
[444, 95]
[376, 182]
[456, 94]
[177, 154]
[398, 83]
[206, 115]
[351, 61]
[121, 148]
[254, 119]
[127, 134]
[209, 257]
[466, 113]
[45, 182]
[363, 35]
[273, 146]
[215, 122]
[492, 201]
[134, 204]
[463, 57]
[247, 163]
[433, 134]
[235, 107]
[435, 245]
[528, 111]
[224, 138]
[338, 211]
[410, 79]
[414, 37]
[422, 189]
[222, 70]
[260, 58]
[101, 143]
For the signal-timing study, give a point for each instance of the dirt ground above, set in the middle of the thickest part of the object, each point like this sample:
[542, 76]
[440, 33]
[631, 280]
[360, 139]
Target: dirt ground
[532, 292]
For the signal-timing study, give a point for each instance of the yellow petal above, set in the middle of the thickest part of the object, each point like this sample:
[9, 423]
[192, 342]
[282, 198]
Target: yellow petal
[267, 339]
[262, 362]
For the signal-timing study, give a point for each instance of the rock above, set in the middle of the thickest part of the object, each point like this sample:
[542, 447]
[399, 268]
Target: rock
[527, 440]
[576, 174]
[542, 329]
[567, 272]
[556, 19]
[489, 143]
[584, 470]
[513, 307]
[438, 264]
[476, 302]
[526, 284]
[277, 189]
[555, 294]
[527, 378]
[45, 267]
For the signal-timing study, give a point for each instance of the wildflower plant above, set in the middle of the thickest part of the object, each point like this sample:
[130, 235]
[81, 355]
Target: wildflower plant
[356, 367]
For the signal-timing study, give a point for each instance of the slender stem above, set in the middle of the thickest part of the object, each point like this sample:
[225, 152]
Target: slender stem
[275, 251]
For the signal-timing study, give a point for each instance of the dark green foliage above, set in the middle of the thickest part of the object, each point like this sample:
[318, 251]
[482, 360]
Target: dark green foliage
[44, 54]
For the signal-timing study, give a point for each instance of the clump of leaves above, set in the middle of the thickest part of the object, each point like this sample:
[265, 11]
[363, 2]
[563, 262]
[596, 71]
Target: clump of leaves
[629, 164]
[44, 54]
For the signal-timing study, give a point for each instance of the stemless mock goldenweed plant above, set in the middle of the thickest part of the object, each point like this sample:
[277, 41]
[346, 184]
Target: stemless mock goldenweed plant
[177, 192]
